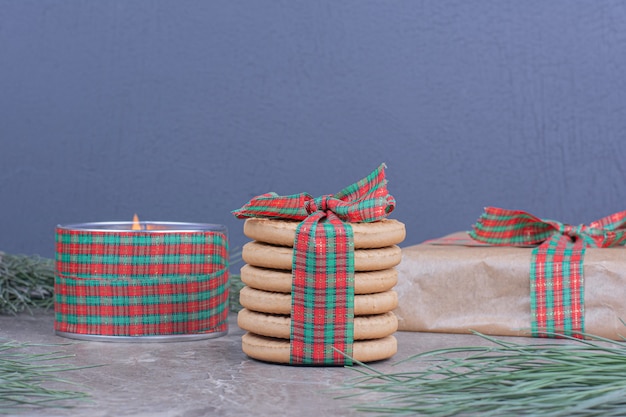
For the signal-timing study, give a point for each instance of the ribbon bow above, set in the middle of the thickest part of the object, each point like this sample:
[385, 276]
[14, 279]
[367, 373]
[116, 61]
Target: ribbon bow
[556, 272]
[322, 310]
[364, 201]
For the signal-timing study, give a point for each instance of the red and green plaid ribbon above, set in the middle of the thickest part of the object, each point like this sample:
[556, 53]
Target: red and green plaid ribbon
[322, 311]
[118, 283]
[556, 272]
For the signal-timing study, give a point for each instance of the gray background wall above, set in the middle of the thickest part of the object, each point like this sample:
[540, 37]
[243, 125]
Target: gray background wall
[183, 110]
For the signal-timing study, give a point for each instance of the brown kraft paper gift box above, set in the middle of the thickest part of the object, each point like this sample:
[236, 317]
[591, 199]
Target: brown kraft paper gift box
[454, 288]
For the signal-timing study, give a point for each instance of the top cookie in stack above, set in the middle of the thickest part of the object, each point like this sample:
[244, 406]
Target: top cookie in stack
[374, 235]
[268, 277]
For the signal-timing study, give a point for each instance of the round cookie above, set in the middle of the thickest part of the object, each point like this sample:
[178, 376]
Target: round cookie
[274, 325]
[379, 234]
[365, 282]
[280, 257]
[280, 303]
[270, 349]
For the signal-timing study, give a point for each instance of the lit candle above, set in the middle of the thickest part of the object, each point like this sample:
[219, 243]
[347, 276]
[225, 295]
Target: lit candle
[136, 224]
[141, 281]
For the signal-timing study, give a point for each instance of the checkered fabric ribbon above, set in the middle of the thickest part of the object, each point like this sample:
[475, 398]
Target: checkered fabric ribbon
[322, 311]
[117, 283]
[556, 272]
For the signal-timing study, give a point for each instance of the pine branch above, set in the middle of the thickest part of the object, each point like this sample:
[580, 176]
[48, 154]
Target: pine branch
[29, 380]
[580, 378]
[25, 282]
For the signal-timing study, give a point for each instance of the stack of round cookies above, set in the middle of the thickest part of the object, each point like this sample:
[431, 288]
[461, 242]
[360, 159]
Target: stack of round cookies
[266, 298]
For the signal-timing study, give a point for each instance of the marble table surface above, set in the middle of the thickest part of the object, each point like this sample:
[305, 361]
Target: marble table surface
[211, 377]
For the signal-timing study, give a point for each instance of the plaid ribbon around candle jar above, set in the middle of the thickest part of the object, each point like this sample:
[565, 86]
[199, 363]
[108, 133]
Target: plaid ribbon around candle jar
[138, 283]
[322, 311]
[556, 272]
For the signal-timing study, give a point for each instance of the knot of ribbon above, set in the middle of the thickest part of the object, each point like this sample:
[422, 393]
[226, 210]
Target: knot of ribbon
[574, 232]
[556, 271]
[322, 203]
[322, 309]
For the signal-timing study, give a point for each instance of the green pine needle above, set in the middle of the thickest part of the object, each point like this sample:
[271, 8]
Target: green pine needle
[26, 379]
[235, 284]
[25, 282]
[235, 287]
[579, 378]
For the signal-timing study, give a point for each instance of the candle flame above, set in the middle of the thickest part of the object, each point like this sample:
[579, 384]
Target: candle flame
[136, 225]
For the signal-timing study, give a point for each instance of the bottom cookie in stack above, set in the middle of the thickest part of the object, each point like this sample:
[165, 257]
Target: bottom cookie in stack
[271, 349]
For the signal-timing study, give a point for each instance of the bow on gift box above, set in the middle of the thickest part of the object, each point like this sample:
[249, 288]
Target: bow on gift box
[556, 272]
[322, 311]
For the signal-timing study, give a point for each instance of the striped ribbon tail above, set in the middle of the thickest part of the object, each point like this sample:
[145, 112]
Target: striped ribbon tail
[322, 311]
[141, 284]
[556, 288]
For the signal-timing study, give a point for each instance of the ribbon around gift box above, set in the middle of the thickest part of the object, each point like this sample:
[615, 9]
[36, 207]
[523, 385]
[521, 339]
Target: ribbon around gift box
[322, 311]
[556, 272]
